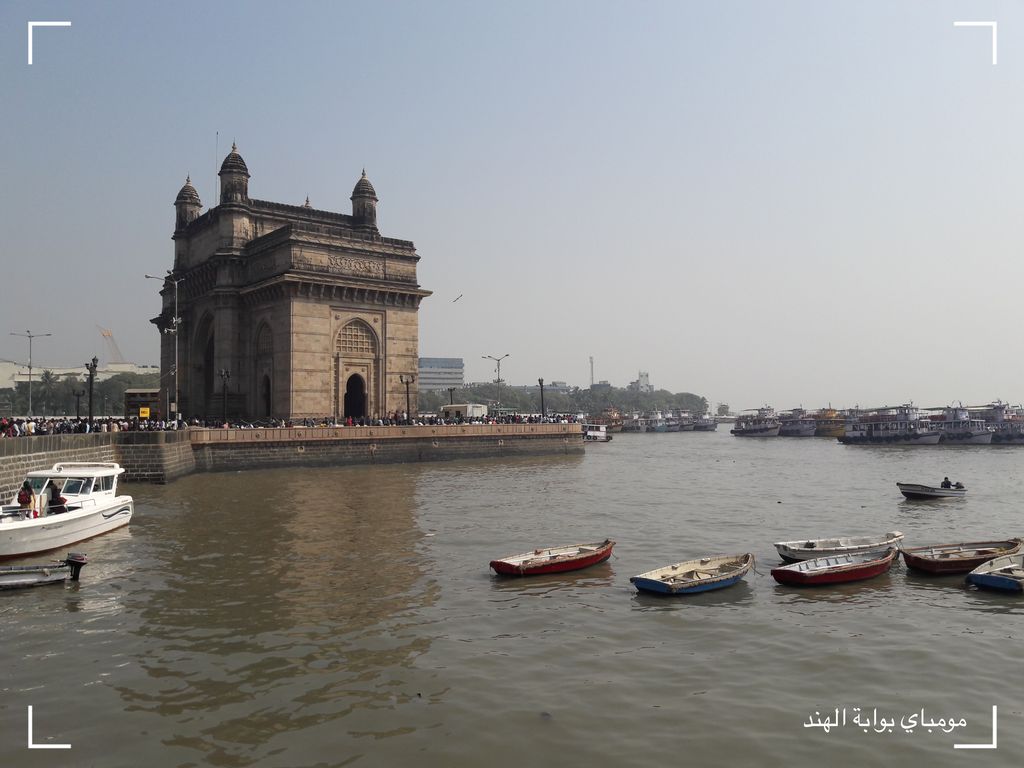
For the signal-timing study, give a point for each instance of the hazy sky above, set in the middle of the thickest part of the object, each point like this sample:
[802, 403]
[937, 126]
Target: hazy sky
[760, 202]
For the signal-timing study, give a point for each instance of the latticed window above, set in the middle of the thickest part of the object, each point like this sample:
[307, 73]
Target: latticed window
[264, 341]
[356, 338]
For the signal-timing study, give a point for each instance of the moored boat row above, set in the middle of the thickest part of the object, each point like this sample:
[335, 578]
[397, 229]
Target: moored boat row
[996, 564]
[905, 424]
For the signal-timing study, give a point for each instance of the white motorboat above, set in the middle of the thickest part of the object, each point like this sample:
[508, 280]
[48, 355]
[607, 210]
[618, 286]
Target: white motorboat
[86, 504]
[810, 549]
[596, 433]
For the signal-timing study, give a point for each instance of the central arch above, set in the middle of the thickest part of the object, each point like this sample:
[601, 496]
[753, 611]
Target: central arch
[357, 370]
[355, 397]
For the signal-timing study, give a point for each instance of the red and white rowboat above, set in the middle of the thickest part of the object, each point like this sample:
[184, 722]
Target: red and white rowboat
[837, 569]
[554, 559]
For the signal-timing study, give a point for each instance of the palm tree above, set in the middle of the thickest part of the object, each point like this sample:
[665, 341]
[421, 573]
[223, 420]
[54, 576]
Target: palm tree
[47, 389]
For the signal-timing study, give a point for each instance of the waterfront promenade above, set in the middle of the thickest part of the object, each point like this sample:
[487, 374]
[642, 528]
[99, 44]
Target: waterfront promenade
[163, 456]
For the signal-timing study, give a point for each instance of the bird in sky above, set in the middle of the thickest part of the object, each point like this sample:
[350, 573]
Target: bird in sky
[456, 298]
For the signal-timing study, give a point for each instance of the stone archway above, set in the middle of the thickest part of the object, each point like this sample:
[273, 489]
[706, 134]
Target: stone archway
[265, 400]
[263, 369]
[355, 397]
[357, 358]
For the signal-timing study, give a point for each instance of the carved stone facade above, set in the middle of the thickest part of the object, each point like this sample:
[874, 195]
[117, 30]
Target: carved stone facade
[312, 313]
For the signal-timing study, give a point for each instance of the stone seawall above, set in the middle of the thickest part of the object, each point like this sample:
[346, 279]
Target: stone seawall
[159, 457]
[220, 449]
[154, 457]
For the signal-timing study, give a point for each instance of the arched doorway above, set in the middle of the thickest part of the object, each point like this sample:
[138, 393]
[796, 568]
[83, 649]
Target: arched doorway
[208, 375]
[357, 370]
[355, 397]
[263, 371]
[265, 396]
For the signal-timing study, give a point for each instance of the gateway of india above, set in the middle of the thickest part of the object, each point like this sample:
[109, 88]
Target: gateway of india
[286, 311]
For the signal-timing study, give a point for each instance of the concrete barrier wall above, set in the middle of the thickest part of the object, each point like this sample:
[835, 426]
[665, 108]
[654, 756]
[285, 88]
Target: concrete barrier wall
[19, 455]
[160, 457]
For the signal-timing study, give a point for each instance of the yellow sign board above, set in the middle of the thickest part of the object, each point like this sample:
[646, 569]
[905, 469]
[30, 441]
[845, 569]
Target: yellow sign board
[143, 413]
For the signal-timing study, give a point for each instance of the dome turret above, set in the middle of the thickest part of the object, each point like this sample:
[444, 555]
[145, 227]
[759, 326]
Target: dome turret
[364, 204]
[187, 205]
[234, 178]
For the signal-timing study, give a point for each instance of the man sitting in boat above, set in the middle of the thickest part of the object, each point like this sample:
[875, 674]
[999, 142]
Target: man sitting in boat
[946, 483]
[57, 502]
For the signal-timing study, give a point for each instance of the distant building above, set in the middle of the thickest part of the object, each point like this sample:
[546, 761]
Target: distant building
[642, 384]
[601, 386]
[437, 373]
[13, 373]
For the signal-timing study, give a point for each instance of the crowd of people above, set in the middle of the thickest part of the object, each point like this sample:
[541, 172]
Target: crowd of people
[65, 425]
[62, 425]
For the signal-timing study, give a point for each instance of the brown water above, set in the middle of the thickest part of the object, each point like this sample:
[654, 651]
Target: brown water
[329, 617]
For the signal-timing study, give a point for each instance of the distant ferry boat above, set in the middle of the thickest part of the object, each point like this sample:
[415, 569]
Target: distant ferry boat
[596, 433]
[829, 423]
[635, 423]
[611, 418]
[705, 423]
[762, 423]
[1006, 420]
[656, 422]
[958, 427]
[903, 425]
[797, 423]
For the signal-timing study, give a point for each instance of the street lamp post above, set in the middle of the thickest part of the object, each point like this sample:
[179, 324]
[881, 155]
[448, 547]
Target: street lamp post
[175, 322]
[451, 395]
[542, 412]
[407, 380]
[498, 361]
[91, 367]
[29, 335]
[225, 374]
[78, 401]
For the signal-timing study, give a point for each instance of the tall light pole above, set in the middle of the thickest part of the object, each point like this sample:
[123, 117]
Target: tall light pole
[451, 395]
[175, 321]
[29, 335]
[407, 380]
[542, 413]
[91, 368]
[225, 374]
[498, 361]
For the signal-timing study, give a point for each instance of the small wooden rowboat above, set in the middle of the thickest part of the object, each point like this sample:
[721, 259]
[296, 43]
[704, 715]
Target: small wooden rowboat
[691, 576]
[554, 559]
[836, 569]
[17, 576]
[958, 558]
[809, 549]
[1005, 573]
[915, 491]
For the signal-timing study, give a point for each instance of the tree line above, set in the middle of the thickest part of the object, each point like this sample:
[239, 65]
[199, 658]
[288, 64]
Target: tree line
[54, 395]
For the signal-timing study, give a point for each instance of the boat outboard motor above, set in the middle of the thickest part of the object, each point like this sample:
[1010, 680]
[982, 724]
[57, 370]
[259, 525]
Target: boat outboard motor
[77, 561]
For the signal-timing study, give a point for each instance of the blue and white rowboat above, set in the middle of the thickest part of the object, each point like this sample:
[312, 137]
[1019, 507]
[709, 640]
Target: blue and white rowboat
[1005, 573]
[693, 576]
